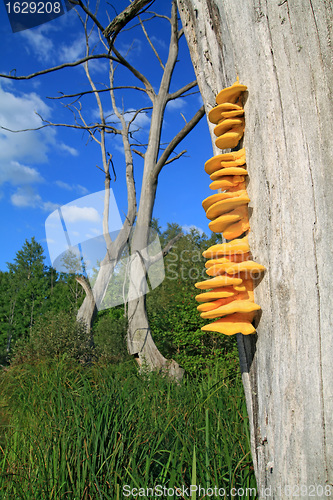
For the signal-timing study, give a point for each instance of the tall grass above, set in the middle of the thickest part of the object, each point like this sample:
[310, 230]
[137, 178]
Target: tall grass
[75, 433]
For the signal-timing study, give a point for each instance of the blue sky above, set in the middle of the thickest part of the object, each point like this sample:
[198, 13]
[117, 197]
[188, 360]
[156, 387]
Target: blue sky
[42, 170]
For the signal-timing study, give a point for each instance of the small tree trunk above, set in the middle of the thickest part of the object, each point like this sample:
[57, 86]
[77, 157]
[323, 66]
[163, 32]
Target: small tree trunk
[282, 51]
[140, 342]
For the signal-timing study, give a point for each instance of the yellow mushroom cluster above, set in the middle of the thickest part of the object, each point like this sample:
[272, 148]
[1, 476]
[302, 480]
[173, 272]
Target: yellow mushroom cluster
[228, 295]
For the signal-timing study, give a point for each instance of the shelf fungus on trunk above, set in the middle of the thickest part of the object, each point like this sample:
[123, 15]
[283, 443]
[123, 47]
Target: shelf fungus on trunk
[228, 294]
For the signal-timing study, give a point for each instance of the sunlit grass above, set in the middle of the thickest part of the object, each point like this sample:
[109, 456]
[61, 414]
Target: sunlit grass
[84, 433]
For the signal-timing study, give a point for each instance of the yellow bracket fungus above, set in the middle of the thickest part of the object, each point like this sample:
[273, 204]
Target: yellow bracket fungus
[239, 246]
[228, 171]
[216, 293]
[214, 198]
[227, 182]
[247, 266]
[222, 223]
[216, 114]
[231, 138]
[230, 259]
[218, 282]
[231, 94]
[237, 229]
[229, 294]
[237, 306]
[224, 206]
[230, 325]
[234, 159]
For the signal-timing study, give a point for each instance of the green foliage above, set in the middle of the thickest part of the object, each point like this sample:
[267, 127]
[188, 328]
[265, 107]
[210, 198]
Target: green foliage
[30, 290]
[24, 291]
[110, 330]
[55, 335]
[84, 433]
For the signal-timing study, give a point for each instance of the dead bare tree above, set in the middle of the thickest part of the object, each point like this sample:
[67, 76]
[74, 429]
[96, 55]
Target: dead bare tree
[155, 154]
[282, 51]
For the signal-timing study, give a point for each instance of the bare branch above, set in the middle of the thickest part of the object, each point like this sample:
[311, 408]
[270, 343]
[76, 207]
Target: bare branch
[124, 18]
[151, 44]
[175, 157]
[181, 114]
[161, 16]
[173, 50]
[166, 249]
[171, 243]
[141, 110]
[88, 12]
[138, 153]
[56, 68]
[182, 91]
[50, 124]
[177, 139]
[85, 92]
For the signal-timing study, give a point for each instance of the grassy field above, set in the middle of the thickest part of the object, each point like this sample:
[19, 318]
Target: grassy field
[69, 432]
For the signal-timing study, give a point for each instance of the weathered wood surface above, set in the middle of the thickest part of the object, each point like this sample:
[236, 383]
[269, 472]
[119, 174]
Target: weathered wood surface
[282, 51]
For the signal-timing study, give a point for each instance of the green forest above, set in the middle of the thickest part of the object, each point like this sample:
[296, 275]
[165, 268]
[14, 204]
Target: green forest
[78, 420]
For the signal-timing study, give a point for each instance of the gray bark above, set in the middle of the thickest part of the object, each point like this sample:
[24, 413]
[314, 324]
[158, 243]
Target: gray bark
[282, 51]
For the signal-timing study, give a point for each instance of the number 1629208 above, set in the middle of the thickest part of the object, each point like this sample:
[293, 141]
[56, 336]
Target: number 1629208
[33, 7]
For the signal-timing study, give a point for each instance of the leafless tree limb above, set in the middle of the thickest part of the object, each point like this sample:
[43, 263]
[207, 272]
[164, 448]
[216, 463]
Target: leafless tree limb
[51, 124]
[182, 91]
[178, 138]
[170, 160]
[124, 17]
[171, 243]
[138, 153]
[151, 43]
[56, 68]
[137, 112]
[86, 92]
[166, 249]
[88, 12]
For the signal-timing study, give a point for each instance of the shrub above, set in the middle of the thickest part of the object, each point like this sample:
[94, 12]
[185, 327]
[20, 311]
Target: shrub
[55, 335]
[110, 331]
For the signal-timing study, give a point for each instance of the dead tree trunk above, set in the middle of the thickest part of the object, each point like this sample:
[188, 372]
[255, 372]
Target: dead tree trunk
[282, 52]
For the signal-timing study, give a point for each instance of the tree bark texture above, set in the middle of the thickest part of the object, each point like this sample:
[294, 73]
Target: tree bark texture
[282, 51]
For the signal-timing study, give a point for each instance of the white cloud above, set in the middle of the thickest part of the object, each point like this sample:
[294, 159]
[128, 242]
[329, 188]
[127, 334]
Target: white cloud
[18, 174]
[19, 113]
[141, 120]
[49, 206]
[72, 187]
[81, 189]
[38, 42]
[188, 229]
[68, 149]
[176, 104]
[26, 197]
[159, 41]
[73, 213]
[72, 51]
[63, 185]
